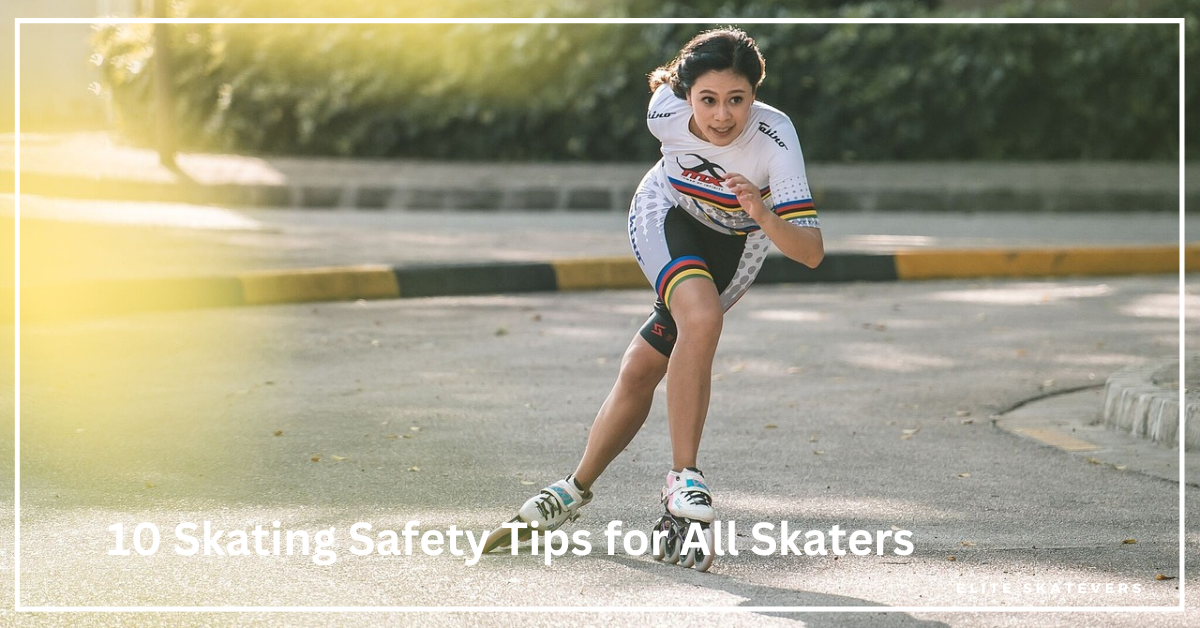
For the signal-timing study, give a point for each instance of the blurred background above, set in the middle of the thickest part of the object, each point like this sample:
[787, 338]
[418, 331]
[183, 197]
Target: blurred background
[568, 92]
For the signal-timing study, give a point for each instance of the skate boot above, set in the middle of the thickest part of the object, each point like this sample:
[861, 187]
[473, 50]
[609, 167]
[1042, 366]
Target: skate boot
[552, 507]
[689, 514]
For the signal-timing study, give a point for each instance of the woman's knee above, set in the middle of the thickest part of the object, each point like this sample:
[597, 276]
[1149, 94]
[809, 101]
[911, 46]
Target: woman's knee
[698, 313]
[643, 366]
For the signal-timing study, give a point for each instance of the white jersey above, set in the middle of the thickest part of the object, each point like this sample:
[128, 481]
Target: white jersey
[767, 153]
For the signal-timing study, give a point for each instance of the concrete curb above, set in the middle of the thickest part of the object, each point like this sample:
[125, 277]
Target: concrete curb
[1069, 421]
[1143, 400]
[116, 297]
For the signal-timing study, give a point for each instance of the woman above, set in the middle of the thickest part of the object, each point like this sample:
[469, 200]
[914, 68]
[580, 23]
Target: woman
[699, 224]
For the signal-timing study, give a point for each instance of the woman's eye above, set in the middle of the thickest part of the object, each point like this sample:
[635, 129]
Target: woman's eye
[709, 100]
[737, 100]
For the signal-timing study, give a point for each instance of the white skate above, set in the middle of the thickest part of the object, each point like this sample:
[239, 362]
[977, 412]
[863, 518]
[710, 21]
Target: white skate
[553, 506]
[688, 503]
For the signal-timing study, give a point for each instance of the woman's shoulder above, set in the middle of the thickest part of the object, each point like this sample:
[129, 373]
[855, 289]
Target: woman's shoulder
[769, 114]
[667, 116]
[665, 102]
[774, 128]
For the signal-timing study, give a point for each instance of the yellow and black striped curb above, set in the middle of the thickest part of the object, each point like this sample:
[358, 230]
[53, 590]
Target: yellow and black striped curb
[110, 297]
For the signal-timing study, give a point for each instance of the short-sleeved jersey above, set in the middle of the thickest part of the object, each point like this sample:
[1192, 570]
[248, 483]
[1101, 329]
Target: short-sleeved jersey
[767, 153]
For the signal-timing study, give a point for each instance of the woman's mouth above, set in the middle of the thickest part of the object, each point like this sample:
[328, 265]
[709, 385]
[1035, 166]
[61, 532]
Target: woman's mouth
[722, 132]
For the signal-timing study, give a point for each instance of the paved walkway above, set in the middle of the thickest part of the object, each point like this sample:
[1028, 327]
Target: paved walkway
[902, 230]
[99, 166]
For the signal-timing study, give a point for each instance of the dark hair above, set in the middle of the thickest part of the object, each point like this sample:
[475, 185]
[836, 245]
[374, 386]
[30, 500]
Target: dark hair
[720, 49]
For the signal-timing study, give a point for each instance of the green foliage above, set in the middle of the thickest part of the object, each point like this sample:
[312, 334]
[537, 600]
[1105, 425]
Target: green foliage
[578, 91]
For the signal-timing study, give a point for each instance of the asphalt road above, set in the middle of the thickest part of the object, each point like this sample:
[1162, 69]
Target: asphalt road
[864, 406]
[110, 239]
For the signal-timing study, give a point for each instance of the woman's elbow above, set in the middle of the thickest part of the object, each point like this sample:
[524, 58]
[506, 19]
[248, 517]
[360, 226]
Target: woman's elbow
[814, 252]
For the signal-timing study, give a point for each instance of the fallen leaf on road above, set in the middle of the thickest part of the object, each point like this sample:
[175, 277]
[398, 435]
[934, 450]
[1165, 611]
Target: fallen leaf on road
[1129, 541]
[964, 475]
[951, 558]
[968, 544]
[818, 452]
[414, 468]
[315, 458]
[279, 432]
[526, 483]
[338, 458]
[770, 426]
[1162, 577]
[414, 429]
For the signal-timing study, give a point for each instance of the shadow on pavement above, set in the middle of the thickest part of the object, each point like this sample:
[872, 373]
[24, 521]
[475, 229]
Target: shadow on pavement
[758, 595]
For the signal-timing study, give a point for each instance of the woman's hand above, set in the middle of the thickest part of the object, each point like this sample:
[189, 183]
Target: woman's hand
[748, 195]
[802, 244]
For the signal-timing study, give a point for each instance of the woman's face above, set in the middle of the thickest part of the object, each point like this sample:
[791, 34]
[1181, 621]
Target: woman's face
[720, 102]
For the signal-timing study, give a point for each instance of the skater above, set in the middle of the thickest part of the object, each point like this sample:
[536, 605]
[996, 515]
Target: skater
[731, 179]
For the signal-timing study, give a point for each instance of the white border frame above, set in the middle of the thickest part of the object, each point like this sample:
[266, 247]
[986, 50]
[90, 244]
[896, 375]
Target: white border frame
[1180, 22]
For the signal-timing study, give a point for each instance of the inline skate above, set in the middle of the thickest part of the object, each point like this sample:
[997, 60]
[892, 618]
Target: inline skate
[689, 515]
[553, 506]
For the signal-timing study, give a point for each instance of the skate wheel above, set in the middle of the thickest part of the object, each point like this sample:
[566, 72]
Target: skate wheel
[697, 557]
[667, 543]
[704, 560]
[688, 559]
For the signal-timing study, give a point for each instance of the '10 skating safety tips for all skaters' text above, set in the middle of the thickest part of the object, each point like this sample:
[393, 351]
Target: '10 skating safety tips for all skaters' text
[325, 546]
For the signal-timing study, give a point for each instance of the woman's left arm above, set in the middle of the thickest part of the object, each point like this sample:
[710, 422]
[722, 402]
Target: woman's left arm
[802, 244]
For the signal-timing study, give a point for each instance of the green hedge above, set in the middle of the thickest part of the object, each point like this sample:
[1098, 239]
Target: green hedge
[577, 92]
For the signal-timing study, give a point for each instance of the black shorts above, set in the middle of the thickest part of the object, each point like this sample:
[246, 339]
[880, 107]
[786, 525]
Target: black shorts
[672, 246]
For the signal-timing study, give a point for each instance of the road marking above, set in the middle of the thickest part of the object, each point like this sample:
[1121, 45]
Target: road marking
[605, 273]
[320, 284]
[951, 264]
[1056, 438]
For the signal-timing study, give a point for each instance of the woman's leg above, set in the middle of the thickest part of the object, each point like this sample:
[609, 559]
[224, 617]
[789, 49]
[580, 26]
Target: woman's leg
[696, 308]
[624, 411]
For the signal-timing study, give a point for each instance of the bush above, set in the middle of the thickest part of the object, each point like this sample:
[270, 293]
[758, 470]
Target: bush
[554, 91]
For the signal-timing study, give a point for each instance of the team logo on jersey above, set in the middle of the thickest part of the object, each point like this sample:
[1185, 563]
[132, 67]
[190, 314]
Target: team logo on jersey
[766, 129]
[654, 115]
[703, 172]
[703, 182]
